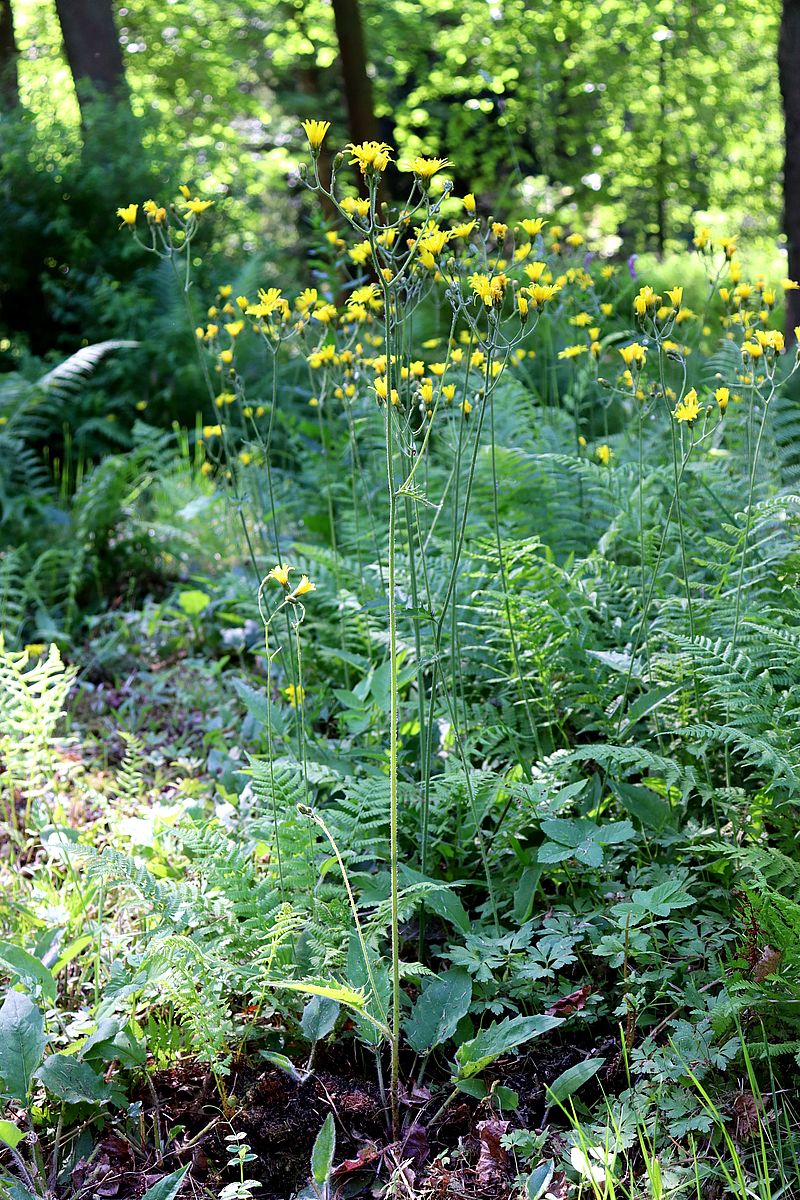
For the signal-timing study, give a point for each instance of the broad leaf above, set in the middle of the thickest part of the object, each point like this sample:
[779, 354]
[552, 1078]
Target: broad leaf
[319, 1017]
[22, 1043]
[442, 1004]
[573, 1078]
[498, 1038]
[28, 970]
[168, 1187]
[323, 1151]
[72, 1081]
[11, 1134]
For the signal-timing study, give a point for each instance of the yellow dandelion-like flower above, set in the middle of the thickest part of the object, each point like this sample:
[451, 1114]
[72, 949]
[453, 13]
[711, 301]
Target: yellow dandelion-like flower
[372, 157]
[689, 407]
[315, 132]
[128, 214]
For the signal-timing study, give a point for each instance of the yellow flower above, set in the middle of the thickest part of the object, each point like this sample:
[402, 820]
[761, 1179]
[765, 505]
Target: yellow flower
[372, 157]
[360, 253]
[754, 349]
[604, 454]
[153, 212]
[689, 407]
[426, 391]
[581, 320]
[295, 694]
[646, 299]
[635, 353]
[354, 206]
[448, 391]
[522, 305]
[676, 296]
[702, 238]
[305, 585]
[463, 230]
[381, 390]
[269, 301]
[426, 168]
[198, 206]
[184, 191]
[722, 396]
[245, 458]
[280, 573]
[789, 285]
[540, 293]
[466, 407]
[499, 230]
[574, 239]
[490, 289]
[225, 290]
[469, 202]
[534, 225]
[128, 215]
[572, 351]
[226, 357]
[606, 309]
[234, 328]
[242, 302]
[582, 442]
[325, 313]
[315, 132]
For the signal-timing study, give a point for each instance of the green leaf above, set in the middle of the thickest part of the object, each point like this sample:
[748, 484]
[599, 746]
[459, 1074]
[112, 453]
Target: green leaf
[10, 1134]
[319, 1017]
[573, 1078]
[538, 1181]
[507, 1099]
[72, 1081]
[323, 1152]
[29, 971]
[526, 890]
[439, 1008]
[643, 804]
[498, 1038]
[168, 1187]
[283, 1063]
[645, 704]
[193, 602]
[22, 1043]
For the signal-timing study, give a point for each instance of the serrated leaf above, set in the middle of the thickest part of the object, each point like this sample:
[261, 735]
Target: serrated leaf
[22, 1044]
[438, 1009]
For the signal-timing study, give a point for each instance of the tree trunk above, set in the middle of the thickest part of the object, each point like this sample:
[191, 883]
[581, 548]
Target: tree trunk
[789, 76]
[92, 48]
[9, 79]
[355, 77]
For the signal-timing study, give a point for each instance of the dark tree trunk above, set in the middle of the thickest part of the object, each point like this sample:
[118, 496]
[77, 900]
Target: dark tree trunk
[9, 79]
[355, 77]
[789, 76]
[92, 48]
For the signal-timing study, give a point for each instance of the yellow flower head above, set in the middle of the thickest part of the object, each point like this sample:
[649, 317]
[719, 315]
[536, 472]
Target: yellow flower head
[184, 191]
[572, 351]
[315, 132]
[676, 296]
[198, 206]
[646, 299]
[635, 353]
[533, 225]
[469, 202]
[372, 157]
[153, 213]
[689, 408]
[128, 215]
[305, 585]
[491, 289]
[280, 573]
[426, 168]
[355, 207]
[722, 396]
[295, 694]
[604, 454]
